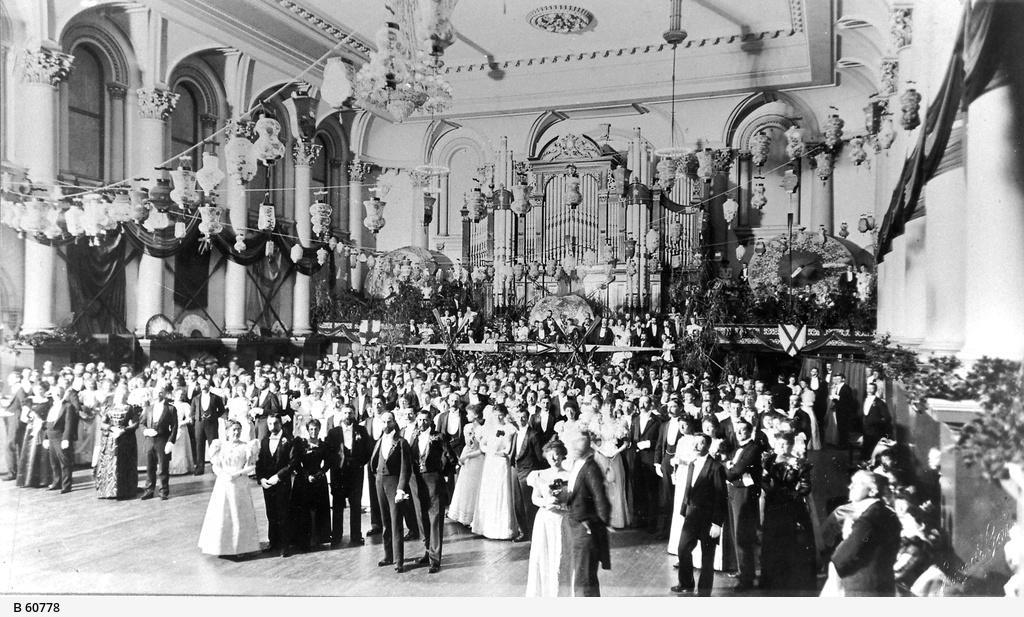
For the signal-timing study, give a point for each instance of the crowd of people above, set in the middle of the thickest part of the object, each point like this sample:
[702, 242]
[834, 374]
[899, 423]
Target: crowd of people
[530, 450]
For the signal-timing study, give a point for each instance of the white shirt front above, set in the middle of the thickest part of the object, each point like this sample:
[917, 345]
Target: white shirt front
[346, 435]
[521, 439]
[204, 400]
[424, 439]
[274, 440]
[869, 400]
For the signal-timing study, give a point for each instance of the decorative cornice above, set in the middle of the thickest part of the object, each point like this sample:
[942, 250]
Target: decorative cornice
[117, 91]
[323, 24]
[304, 153]
[45, 66]
[357, 170]
[888, 76]
[560, 18]
[620, 52]
[901, 27]
[156, 103]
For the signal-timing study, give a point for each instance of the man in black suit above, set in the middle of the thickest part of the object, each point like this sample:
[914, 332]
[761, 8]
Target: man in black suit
[374, 425]
[704, 507]
[744, 475]
[20, 394]
[527, 456]
[820, 386]
[160, 429]
[430, 456]
[274, 468]
[544, 419]
[668, 436]
[61, 434]
[845, 406]
[587, 520]
[645, 430]
[876, 422]
[450, 422]
[864, 559]
[780, 394]
[267, 404]
[392, 462]
[207, 408]
[348, 446]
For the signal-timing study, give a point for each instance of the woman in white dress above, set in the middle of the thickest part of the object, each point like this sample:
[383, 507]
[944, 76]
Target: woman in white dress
[621, 333]
[610, 443]
[550, 570]
[495, 515]
[467, 485]
[230, 524]
[181, 456]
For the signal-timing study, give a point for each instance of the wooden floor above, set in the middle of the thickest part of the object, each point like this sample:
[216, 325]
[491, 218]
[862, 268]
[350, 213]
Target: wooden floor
[76, 543]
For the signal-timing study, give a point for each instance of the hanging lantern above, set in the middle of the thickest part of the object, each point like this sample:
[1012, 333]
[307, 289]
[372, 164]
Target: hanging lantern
[11, 213]
[156, 221]
[362, 258]
[73, 219]
[138, 196]
[160, 193]
[794, 142]
[630, 247]
[295, 253]
[521, 199]
[320, 216]
[760, 146]
[886, 134]
[353, 261]
[374, 220]
[790, 181]
[184, 191]
[240, 245]
[729, 209]
[92, 213]
[823, 161]
[857, 153]
[652, 241]
[210, 220]
[866, 223]
[241, 154]
[370, 260]
[120, 209]
[534, 271]
[337, 85]
[536, 195]
[551, 268]
[267, 216]
[502, 198]
[833, 131]
[705, 164]
[269, 148]
[760, 248]
[667, 173]
[741, 252]
[321, 255]
[573, 197]
[209, 176]
[910, 106]
[844, 230]
[54, 217]
[758, 199]
[590, 258]
[180, 230]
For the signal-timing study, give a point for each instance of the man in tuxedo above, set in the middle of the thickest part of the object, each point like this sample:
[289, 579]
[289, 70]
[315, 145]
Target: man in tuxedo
[864, 559]
[348, 446]
[587, 520]
[544, 419]
[664, 452]
[267, 404]
[374, 424]
[449, 422]
[274, 468]
[845, 406]
[820, 386]
[744, 475]
[21, 391]
[61, 434]
[780, 394]
[526, 457]
[159, 428]
[207, 408]
[704, 508]
[645, 430]
[430, 456]
[392, 464]
[876, 421]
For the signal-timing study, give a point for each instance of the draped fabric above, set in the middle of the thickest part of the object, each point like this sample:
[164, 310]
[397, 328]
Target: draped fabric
[97, 284]
[260, 291]
[191, 274]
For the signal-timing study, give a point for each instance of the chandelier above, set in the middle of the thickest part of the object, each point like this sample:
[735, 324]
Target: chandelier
[398, 77]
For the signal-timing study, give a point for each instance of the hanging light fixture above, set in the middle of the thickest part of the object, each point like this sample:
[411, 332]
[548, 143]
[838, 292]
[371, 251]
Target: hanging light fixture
[269, 148]
[184, 191]
[910, 106]
[823, 162]
[758, 199]
[729, 209]
[760, 147]
[320, 215]
[857, 153]
[760, 248]
[209, 175]
[241, 151]
[160, 194]
[302, 110]
[337, 90]
[210, 220]
[475, 206]
[267, 216]
[794, 142]
[374, 220]
[120, 208]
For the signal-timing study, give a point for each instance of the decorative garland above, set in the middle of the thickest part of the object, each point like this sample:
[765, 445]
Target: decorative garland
[763, 271]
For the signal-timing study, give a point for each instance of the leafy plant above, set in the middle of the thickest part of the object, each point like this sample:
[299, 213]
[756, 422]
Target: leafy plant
[58, 336]
[997, 438]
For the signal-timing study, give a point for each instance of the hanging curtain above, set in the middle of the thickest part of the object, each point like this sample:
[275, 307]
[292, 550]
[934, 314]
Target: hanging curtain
[97, 284]
[266, 275]
[191, 271]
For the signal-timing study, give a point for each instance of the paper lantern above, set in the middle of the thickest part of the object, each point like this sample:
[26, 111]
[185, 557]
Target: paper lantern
[370, 261]
[573, 197]
[910, 106]
[269, 148]
[374, 220]
[54, 217]
[741, 252]
[296, 252]
[362, 258]
[705, 164]
[337, 85]
[760, 248]
[120, 209]
[794, 142]
[332, 244]
[320, 217]
[267, 217]
[73, 220]
[179, 230]
[857, 154]
[156, 221]
[758, 199]
[353, 260]
[241, 158]
[760, 146]
[729, 209]
[321, 255]
[833, 131]
[209, 176]
[521, 199]
[886, 135]
[184, 191]
[652, 241]
[239, 245]
[210, 220]
[160, 193]
[667, 173]
[823, 168]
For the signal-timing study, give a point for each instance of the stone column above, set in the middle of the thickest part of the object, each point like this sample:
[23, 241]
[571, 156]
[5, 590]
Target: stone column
[234, 275]
[994, 321]
[116, 154]
[915, 287]
[895, 288]
[155, 106]
[339, 175]
[303, 155]
[946, 278]
[357, 170]
[42, 70]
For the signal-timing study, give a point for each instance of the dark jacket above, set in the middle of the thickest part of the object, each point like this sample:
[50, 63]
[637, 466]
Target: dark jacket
[164, 418]
[278, 464]
[864, 560]
[588, 503]
[66, 424]
[748, 461]
[397, 461]
[214, 411]
[878, 421]
[651, 432]
[435, 459]
[532, 458]
[341, 460]
[707, 501]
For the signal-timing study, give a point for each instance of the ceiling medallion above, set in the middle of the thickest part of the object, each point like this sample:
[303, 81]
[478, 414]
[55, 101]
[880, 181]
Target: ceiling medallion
[560, 18]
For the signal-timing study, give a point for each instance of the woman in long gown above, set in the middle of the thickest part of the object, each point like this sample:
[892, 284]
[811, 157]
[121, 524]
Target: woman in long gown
[181, 456]
[467, 485]
[230, 524]
[117, 471]
[550, 569]
[807, 406]
[33, 466]
[495, 516]
[311, 506]
[610, 444]
[788, 560]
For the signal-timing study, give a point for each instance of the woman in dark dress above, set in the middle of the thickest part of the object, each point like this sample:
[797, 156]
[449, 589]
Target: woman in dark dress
[788, 561]
[117, 473]
[311, 508]
[34, 466]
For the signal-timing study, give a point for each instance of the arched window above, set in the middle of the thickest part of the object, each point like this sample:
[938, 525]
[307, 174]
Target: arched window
[185, 131]
[86, 101]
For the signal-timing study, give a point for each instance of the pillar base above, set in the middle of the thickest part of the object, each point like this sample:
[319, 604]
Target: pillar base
[301, 333]
[942, 347]
[36, 328]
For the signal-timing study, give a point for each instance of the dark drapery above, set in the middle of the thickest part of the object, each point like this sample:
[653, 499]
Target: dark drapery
[97, 284]
[191, 271]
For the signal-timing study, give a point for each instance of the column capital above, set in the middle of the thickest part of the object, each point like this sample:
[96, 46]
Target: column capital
[304, 153]
[156, 103]
[117, 91]
[45, 66]
[901, 26]
[721, 160]
[357, 170]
